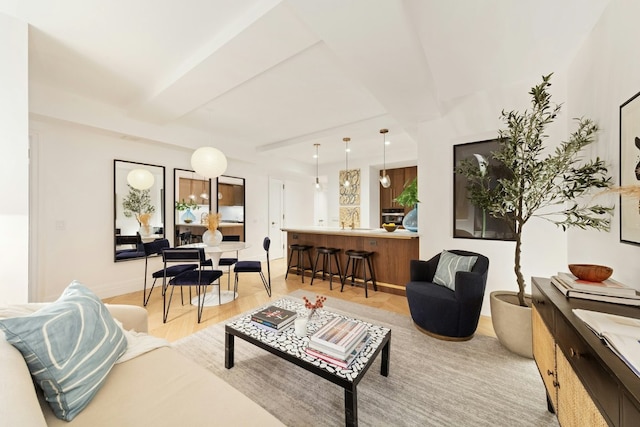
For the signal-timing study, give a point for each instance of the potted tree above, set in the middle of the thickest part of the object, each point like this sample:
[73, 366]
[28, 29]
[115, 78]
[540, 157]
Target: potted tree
[409, 198]
[541, 183]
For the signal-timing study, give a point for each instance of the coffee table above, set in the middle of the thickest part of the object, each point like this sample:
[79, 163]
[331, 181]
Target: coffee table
[288, 346]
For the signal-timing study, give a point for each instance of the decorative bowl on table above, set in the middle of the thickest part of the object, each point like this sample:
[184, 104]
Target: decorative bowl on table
[591, 272]
[390, 227]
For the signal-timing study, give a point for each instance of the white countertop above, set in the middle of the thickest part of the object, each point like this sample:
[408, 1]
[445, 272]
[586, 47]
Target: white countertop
[364, 232]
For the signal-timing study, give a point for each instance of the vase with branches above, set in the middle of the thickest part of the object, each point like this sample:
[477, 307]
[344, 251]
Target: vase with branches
[137, 203]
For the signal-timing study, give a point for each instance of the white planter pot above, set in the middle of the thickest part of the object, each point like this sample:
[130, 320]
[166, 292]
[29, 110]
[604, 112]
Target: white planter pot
[511, 322]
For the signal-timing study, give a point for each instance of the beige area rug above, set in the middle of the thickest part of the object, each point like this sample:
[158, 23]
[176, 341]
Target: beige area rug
[431, 382]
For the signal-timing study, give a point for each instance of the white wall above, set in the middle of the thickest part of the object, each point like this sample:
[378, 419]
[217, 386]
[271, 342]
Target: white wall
[14, 163]
[604, 76]
[74, 187]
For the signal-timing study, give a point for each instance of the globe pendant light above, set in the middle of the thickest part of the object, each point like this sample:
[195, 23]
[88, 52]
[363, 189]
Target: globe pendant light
[317, 185]
[346, 182]
[140, 179]
[209, 162]
[385, 181]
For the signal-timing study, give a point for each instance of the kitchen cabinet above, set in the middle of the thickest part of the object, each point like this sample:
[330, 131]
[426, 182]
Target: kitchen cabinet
[188, 186]
[398, 177]
[230, 195]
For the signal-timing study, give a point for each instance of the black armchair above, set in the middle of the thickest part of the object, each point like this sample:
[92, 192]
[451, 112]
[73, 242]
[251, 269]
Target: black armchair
[440, 311]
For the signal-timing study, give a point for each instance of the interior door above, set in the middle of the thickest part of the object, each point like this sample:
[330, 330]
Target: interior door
[276, 198]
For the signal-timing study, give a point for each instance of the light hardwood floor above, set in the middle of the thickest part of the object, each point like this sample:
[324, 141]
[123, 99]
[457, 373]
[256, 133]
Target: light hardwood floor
[182, 320]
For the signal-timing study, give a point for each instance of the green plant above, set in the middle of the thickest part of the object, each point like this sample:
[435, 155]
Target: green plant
[183, 206]
[137, 202]
[409, 196]
[539, 182]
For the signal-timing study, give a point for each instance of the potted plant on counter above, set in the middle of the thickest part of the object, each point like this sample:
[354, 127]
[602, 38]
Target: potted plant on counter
[138, 204]
[541, 183]
[409, 198]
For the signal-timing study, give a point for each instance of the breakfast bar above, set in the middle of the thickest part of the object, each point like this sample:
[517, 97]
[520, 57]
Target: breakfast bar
[392, 250]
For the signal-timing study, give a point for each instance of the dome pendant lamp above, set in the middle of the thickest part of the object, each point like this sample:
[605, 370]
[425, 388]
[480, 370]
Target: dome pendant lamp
[346, 182]
[385, 181]
[209, 162]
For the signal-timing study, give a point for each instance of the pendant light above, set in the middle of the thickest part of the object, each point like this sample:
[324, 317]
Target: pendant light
[346, 182]
[385, 181]
[192, 195]
[318, 186]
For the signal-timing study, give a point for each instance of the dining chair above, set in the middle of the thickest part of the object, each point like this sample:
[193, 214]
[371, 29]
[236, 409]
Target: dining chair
[199, 277]
[155, 248]
[228, 262]
[254, 267]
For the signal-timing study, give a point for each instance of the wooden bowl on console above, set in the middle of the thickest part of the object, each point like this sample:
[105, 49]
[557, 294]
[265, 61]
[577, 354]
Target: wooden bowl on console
[591, 272]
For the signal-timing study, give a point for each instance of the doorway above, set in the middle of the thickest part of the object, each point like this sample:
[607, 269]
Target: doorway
[276, 217]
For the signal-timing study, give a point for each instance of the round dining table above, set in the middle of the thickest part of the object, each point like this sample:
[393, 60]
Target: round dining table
[215, 253]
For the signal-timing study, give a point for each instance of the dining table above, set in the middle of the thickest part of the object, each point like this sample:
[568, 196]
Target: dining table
[214, 253]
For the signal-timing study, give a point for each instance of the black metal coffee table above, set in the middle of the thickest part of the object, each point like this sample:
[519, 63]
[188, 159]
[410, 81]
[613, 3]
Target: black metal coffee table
[288, 346]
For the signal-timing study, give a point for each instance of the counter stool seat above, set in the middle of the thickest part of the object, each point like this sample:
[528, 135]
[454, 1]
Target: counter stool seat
[356, 259]
[299, 250]
[327, 254]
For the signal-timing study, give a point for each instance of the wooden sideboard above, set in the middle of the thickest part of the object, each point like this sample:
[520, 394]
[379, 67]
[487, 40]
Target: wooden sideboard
[586, 383]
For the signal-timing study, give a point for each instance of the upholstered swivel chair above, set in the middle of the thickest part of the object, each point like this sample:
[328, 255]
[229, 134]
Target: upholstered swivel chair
[254, 267]
[440, 311]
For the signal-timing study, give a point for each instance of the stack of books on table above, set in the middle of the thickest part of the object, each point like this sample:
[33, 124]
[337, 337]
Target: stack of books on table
[273, 319]
[339, 341]
[607, 291]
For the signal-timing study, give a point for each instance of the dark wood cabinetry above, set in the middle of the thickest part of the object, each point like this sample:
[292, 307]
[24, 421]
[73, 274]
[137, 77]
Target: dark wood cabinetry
[398, 177]
[586, 383]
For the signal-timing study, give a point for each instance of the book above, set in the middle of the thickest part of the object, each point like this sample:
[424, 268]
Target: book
[270, 329]
[621, 334]
[606, 287]
[340, 362]
[574, 293]
[338, 336]
[274, 317]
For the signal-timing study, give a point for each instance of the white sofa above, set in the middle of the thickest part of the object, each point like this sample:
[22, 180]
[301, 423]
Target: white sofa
[158, 388]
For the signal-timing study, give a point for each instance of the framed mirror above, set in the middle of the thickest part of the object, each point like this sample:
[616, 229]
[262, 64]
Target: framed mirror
[138, 206]
[231, 206]
[192, 201]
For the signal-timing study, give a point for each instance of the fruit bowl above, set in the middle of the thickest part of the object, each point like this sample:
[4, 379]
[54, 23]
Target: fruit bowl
[591, 272]
[390, 227]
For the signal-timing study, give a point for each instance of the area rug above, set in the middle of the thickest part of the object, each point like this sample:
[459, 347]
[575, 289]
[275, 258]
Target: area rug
[430, 383]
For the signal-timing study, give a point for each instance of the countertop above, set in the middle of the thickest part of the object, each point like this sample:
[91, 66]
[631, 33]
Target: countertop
[221, 225]
[358, 232]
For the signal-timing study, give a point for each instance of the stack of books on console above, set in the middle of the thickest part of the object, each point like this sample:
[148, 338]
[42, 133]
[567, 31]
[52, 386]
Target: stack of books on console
[607, 291]
[273, 319]
[339, 341]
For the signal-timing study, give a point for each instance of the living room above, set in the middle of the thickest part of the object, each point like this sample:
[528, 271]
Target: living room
[60, 223]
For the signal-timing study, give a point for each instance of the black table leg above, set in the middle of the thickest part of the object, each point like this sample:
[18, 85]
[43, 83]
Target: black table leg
[228, 350]
[350, 407]
[384, 366]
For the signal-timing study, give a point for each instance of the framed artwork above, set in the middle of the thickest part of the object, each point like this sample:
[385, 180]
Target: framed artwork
[630, 169]
[469, 221]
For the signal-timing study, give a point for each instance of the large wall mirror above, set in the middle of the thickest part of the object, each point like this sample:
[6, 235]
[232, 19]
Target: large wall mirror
[231, 206]
[138, 205]
[192, 202]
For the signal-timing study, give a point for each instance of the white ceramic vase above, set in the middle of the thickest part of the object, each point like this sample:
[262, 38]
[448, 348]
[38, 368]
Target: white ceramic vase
[212, 238]
[145, 230]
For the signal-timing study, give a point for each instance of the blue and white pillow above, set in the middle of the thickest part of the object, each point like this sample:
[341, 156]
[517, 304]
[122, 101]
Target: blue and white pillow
[69, 346]
[448, 265]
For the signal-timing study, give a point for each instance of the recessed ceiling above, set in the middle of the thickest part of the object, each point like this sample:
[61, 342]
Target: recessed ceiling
[267, 79]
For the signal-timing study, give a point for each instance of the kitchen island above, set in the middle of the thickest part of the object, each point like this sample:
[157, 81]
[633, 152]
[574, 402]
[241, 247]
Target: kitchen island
[393, 250]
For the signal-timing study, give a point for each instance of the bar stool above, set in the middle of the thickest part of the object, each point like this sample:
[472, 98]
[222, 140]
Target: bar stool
[357, 258]
[326, 254]
[299, 266]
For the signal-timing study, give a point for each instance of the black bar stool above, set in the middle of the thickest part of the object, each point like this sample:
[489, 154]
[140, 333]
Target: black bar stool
[299, 266]
[356, 259]
[326, 254]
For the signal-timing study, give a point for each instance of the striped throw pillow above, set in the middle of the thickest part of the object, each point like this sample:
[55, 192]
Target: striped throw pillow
[448, 265]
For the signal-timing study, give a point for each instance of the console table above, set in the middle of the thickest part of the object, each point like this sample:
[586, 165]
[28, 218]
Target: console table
[586, 383]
